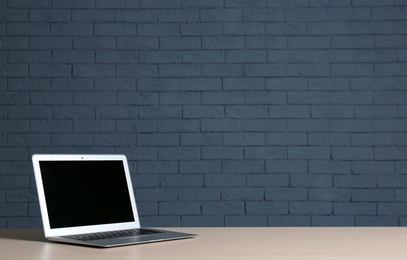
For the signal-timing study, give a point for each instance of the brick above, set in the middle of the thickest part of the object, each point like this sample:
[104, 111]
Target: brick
[375, 112]
[308, 97]
[225, 180]
[160, 57]
[22, 112]
[309, 14]
[266, 207]
[308, 153]
[268, 97]
[219, 208]
[202, 221]
[333, 221]
[179, 153]
[389, 13]
[221, 15]
[353, 97]
[89, 15]
[286, 84]
[50, 43]
[236, 167]
[156, 194]
[73, 56]
[265, 70]
[138, 98]
[204, 139]
[200, 167]
[30, 4]
[69, 84]
[247, 221]
[265, 153]
[180, 43]
[330, 167]
[332, 111]
[222, 70]
[351, 125]
[310, 207]
[252, 111]
[178, 125]
[136, 70]
[157, 139]
[376, 221]
[115, 29]
[361, 181]
[13, 15]
[285, 28]
[157, 167]
[309, 42]
[200, 84]
[159, 112]
[312, 70]
[116, 4]
[116, 57]
[180, 98]
[25, 139]
[137, 43]
[245, 139]
[243, 28]
[371, 195]
[159, 29]
[246, 56]
[328, 194]
[179, 70]
[264, 125]
[28, 29]
[238, 83]
[157, 84]
[203, 112]
[222, 42]
[284, 139]
[390, 153]
[328, 28]
[199, 194]
[242, 194]
[203, 56]
[329, 139]
[14, 42]
[371, 83]
[73, 4]
[78, 112]
[265, 42]
[390, 125]
[286, 166]
[391, 69]
[268, 180]
[289, 221]
[89, 125]
[221, 125]
[355, 208]
[222, 153]
[15, 125]
[75, 140]
[308, 125]
[14, 70]
[71, 29]
[124, 84]
[349, 13]
[265, 15]
[94, 43]
[181, 181]
[51, 98]
[201, 29]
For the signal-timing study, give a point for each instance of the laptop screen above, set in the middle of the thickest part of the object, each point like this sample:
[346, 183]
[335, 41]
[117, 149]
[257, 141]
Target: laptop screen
[82, 193]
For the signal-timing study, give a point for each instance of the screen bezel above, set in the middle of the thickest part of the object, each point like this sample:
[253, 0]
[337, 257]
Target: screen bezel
[51, 232]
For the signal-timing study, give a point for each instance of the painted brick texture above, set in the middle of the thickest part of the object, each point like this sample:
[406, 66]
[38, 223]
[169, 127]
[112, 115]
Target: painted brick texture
[231, 113]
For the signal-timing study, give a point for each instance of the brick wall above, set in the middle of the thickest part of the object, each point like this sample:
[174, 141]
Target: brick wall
[231, 112]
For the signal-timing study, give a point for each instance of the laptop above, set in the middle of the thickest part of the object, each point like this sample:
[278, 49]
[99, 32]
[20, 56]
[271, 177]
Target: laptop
[89, 200]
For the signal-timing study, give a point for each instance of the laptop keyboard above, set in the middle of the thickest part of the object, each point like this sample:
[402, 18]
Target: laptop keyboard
[113, 234]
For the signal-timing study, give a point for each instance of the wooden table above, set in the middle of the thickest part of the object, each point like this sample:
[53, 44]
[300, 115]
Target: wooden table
[314, 243]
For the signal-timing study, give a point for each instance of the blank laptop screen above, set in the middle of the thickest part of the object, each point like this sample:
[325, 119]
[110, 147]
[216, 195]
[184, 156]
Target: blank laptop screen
[81, 193]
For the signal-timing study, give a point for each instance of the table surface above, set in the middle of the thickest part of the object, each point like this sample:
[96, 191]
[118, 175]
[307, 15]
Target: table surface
[226, 243]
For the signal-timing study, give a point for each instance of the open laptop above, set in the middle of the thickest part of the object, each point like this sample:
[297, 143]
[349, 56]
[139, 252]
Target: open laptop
[89, 200]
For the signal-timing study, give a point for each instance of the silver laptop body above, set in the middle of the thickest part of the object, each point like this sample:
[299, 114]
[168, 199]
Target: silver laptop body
[89, 200]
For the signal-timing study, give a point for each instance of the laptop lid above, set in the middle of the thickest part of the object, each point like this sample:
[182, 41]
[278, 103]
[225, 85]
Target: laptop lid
[84, 194]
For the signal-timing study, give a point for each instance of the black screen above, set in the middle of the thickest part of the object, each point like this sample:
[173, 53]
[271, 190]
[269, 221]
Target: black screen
[81, 193]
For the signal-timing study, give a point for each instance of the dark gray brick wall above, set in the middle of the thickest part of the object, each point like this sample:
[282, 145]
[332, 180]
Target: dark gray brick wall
[232, 113]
